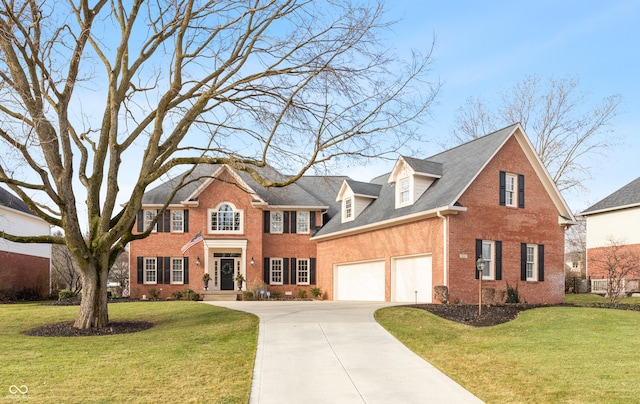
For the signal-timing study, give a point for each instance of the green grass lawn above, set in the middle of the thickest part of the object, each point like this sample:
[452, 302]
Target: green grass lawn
[546, 355]
[195, 353]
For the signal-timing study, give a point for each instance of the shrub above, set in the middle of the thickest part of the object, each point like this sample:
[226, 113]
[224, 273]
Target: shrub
[154, 293]
[65, 294]
[301, 293]
[190, 294]
[247, 295]
[442, 293]
[316, 292]
[177, 295]
[276, 294]
[512, 294]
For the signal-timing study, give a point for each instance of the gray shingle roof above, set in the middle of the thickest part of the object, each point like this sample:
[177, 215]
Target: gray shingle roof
[325, 189]
[291, 195]
[11, 201]
[424, 166]
[364, 188]
[627, 196]
[460, 165]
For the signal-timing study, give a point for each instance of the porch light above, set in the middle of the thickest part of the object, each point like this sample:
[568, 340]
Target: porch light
[480, 269]
[252, 262]
[198, 261]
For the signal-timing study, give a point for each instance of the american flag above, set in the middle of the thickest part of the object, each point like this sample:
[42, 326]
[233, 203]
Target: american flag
[192, 242]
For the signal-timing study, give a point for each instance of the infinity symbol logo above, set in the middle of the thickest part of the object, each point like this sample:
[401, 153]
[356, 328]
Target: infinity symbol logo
[18, 389]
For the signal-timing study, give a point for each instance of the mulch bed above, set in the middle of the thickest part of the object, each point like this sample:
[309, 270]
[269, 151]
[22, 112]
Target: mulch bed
[68, 330]
[468, 314]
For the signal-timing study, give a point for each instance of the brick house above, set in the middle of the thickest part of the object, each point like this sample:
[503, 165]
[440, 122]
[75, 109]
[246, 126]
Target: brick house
[392, 239]
[22, 266]
[616, 218]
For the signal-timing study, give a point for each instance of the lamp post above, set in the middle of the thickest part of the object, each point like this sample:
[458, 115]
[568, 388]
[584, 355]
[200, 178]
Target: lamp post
[480, 269]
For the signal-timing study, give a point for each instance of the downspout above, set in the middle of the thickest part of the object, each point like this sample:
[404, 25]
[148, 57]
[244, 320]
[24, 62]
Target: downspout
[445, 258]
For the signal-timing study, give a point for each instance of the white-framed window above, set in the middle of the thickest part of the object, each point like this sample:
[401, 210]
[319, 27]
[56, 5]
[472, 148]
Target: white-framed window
[511, 194]
[177, 270]
[347, 208]
[149, 216]
[277, 221]
[302, 271]
[177, 221]
[225, 218]
[275, 271]
[150, 271]
[488, 255]
[532, 262]
[302, 225]
[404, 189]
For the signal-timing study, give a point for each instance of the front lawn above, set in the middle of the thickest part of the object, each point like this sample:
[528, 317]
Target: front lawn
[195, 353]
[546, 355]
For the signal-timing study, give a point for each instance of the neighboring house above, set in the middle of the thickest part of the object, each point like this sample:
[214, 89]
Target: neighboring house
[22, 266]
[614, 219]
[392, 239]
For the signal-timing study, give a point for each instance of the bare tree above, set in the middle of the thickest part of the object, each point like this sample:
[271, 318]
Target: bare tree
[619, 262]
[63, 274]
[565, 131]
[120, 269]
[98, 98]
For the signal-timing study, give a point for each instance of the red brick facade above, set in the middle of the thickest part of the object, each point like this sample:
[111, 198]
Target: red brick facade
[19, 271]
[596, 256]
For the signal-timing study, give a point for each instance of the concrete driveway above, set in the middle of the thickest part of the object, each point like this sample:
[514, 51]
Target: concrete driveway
[335, 352]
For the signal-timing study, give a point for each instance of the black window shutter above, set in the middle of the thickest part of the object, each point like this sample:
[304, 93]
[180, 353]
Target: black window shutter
[266, 221]
[159, 271]
[521, 191]
[294, 280]
[265, 270]
[159, 222]
[140, 221]
[312, 271]
[186, 221]
[167, 269]
[167, 221]
[523, 261]
[312, 221]
[185, 266]
[285, 271]
[478, 255]
[541, 262]
[498, 260]
[140, 269]
[285, 220]
[294, 223]
[503, 188]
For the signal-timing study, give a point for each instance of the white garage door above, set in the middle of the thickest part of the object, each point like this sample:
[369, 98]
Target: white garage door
[362, 281]
[411, 279]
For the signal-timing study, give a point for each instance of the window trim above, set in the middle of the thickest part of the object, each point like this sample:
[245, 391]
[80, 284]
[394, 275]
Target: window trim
[147, 221]
[306, 215]
[492, 259]
[147, 271]
[533, 264]
[347, 209]
[402, 190]
[174, 271]
[272, 262]
[173, 221]
[511, 193]
[234, 211]
[272, 222]
[307, 271]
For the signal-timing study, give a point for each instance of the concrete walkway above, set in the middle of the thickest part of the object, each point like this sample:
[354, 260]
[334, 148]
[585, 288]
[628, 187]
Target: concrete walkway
[335, 352]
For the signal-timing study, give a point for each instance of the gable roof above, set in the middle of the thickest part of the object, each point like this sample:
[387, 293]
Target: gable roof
[291, 195]
[626, 197]
[420, 167]
[359, 188]
[460, 166]
[11, 201]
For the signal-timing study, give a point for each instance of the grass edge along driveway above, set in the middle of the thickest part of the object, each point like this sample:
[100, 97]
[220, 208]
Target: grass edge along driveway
[195, 353]
[546, 355]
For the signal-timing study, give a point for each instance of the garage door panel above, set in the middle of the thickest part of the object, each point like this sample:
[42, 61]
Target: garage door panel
[361, 281]
[412, 279]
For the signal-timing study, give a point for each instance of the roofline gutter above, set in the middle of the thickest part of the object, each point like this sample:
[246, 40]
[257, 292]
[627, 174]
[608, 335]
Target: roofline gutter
[443, 210]
[605, 210]
[445, 248]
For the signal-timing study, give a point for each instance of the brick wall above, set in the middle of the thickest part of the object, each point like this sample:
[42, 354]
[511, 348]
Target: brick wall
[595, 257]
[19, 271]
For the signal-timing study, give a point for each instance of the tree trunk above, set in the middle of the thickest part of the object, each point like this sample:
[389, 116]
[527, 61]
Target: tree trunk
[93, 306]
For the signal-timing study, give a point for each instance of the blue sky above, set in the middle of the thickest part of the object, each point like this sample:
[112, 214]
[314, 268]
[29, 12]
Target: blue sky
[483, 47]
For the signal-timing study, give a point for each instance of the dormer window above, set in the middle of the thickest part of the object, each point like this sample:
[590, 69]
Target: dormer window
[348, 209]
[404, 189]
